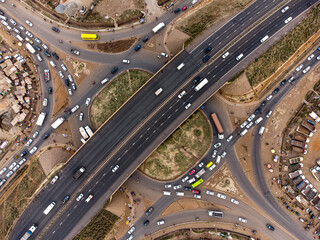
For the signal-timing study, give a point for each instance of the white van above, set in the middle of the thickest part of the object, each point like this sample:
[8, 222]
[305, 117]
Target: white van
[158, 91]
[258, 120]
[239, 57]
[52, 63]
[244, 132]
[218, 159]
[104, 81]
[160, 222]
[261, 130]
[166, 193]
[33, 150]
[20, 38]
[264, 38]
[180, 193]
[180, 66]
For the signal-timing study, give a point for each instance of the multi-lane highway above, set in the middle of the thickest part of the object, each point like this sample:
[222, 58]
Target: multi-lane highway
[137, 128]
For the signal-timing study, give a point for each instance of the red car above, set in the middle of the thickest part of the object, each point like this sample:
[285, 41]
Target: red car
[195, 191]
[192, 171]
[184, 8]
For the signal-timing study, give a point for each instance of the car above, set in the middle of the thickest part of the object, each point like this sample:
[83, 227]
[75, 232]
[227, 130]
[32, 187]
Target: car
[201, 164]
[18, 166]
[126, 61]
[35, 134]
[87, 103]
[1, 12]
[245, 123]
[263, 103]
[75, 52]
[39, 57]
[45, 46]
[241, 219]
[306, 70]
[269, 114]
[251, 117]
[64, 68]
[74, 87]
[131, 230]
[37, 48]
[29, 142]
[55, 56]
[312, 216]
[146, 223]
[12, 165]
[291, 80]
[310, 57]
[191, 180]
[196, 80]
[318, 58]
[55, 29]
[21, 28]
[61, 74]
[25, 152]
[16, 30]
[168, 186]
[222, 196]
[149, 211]
[212, 167]
[249, 125]
[197, 196]
[137, 48]
[145, 39]
[195, 191]
[70, 92]
[283, 82]
[223, 154]
[114, 70]
[29, 34]
[182, 94]
[47, 53]
[285, 9]
[13, 22]
[185, 8]
[188, 106]
[297, 213]
[308, 210]
[229, 138]
[299, 67]
[130, 237]
[46, 136]
[270, 227]
[185, 178]
[177, 10]
[192, 171]
[208, 49]
[89, 198]
[225, 55]
[217, 145]
[22, 161]
[258, 110]
[115, 168]
[234, 201]
[206, 58]
[187, 188]
[38, 40]
[29, 23]
[3, 181]
[176, 187]
[9, 174]
[54, 179]
[81, 116]
[3, 170]
[79, 197]
[163, 54]
[70, 78]
[66, 198]
[214, 153]
[66, 80]
[209, 192]
[287, 20]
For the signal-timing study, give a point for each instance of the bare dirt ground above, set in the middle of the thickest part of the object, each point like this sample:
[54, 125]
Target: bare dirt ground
[238, 87]
[61, 99]
[175, 40]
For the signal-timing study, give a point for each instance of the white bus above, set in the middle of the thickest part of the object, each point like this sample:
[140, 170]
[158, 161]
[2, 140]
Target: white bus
[57, 123]
[158, 27]
[201, 84]
[89, 131]
[30, 48]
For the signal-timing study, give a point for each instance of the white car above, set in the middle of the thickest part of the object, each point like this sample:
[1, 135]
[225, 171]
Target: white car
[38, 40]
[45, 46]
[176, 187]
[61, 75]
[229, 138]
[249, 125]
[214, 154]
[35, 134]
[241, 219]
[287, 20]
[39, 57]
[187, 106]
[285, 9]
[194, 1]
[29, 23]
[3, 170]
[185, 178]
[53, 181]
[126, 61]
[45, 102]
[235, 201]
[164, 54]
[225, 55]
[12, 165]
[115, 168]
[191, 180]
[219, 195]
[318, 58]
[29, 34]
[64, 67]
[16, 168]
[131, 230]
[197, 196]
[70, 78]
[223, 154]
[182, 94]
[21, 28]
[251, 117]
[201, 164]
[13, 22]
[167, 186]
[16, 30]
[306, 70]
[217, 145]
[81, 116]
[244, 124]
[130, 237]
[33, 150]
[209, 192]
[299, 67]
[89, 198]
[212, 167]
[160, 222]
[3, 181]
[79, 197]
[88, 102]
[269, 97]
[23, 160]
[9, 174]
[310, 57]
[269, 114]
[75, 108]
[70, 92]
[29, 142]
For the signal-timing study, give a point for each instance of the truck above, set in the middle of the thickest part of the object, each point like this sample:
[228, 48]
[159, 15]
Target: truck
[295, 167]
[200, 173]
[218, 126]
[304, 131]
[299, 150]
[315, 171]
[314, 116]
[213, 213]
[29, 232]
[307, 189]
[30, 48]
[41, 118]
[158, 27]
[79, 173]
[298, 180]
[302, 185]
[201, 84]
[301, 138]
[49, 208]
[309, 126]
[313, 192]
[83, 133]
[299, 144]
[88, 130]
[46, 75]
[57, 123]
[295, 174]
[295, 160]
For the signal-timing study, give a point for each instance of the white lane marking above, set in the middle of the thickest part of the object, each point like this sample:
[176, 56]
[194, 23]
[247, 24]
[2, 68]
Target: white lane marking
[75, 206]
[133, 143]
[176, 110]
[170, 107]
[154, 131]
[147, 138]
[97, 182]
[169, 117]
[148, 129]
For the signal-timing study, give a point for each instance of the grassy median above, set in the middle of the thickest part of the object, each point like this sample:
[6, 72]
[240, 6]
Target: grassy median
[181, 150]
[114, 95]
[280, 52]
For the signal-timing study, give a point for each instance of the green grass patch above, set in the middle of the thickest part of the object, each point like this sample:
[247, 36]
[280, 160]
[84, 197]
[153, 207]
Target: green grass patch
[181, 150]
[94, 16]
[98, 227]
[280, 52]
[115, 94]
